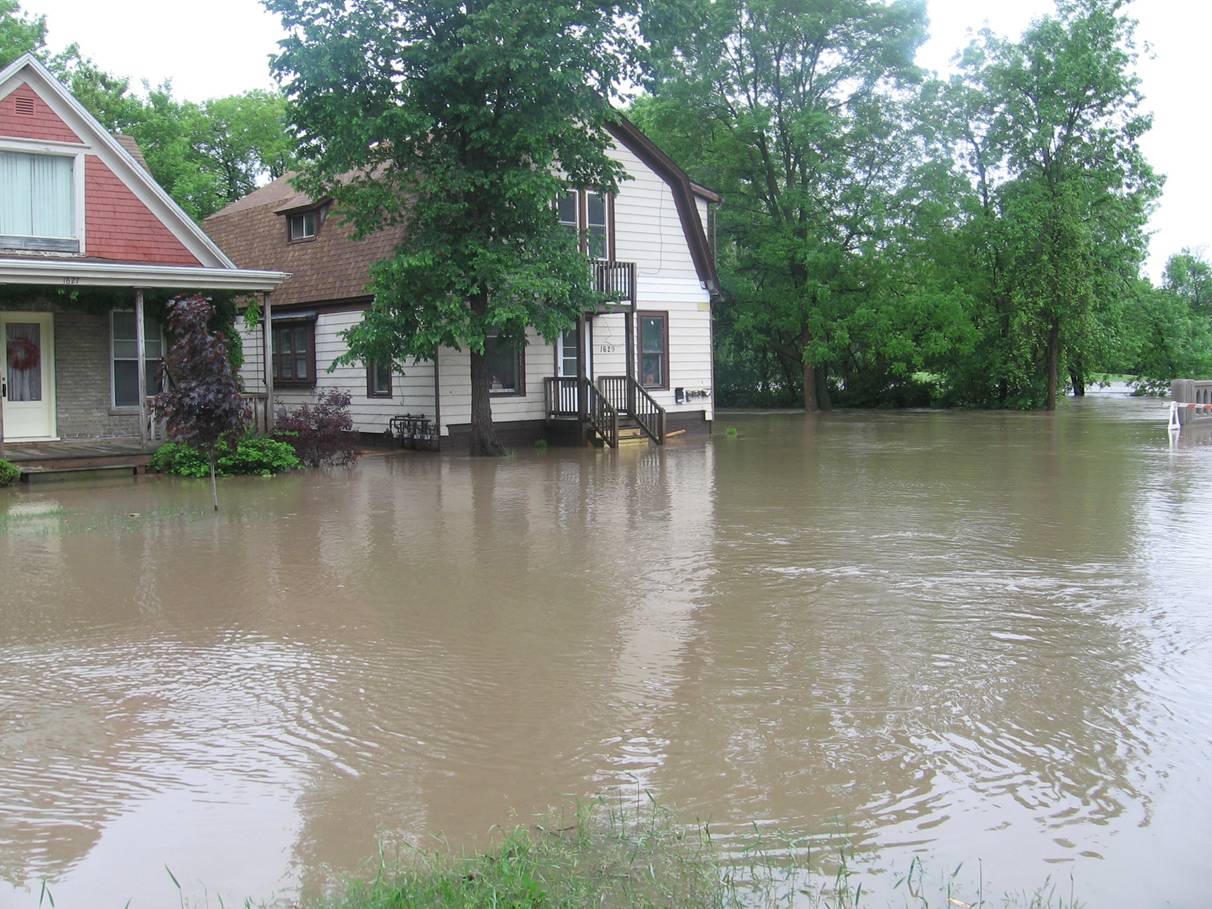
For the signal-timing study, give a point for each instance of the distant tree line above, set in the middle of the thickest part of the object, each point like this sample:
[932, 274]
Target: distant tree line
[890, 238]
[205, 155]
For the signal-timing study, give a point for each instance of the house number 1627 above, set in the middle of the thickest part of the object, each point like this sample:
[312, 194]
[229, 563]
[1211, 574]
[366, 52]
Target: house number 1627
[606, 348]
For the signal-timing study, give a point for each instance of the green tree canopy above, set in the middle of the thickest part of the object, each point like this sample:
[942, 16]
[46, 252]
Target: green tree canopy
[463, 121]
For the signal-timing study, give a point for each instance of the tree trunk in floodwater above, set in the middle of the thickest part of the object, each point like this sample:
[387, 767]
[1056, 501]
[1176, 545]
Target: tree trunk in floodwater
[809, 374]
[483, 435]
[1077, 376]
[819, 377]
[1053, 364]
[214, 486]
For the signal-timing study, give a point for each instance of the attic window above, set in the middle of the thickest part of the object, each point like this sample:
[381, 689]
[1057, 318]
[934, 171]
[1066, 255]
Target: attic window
[24, 106]
[304, 225]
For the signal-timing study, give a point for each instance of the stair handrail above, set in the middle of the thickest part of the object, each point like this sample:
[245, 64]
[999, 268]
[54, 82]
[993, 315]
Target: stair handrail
[647, 412]
[602, 415]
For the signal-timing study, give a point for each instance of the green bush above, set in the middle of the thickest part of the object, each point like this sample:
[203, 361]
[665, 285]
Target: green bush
[259, 455]
[8, 473]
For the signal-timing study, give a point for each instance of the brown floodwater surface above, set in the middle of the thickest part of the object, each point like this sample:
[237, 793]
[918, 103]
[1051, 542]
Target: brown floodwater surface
[969, 637]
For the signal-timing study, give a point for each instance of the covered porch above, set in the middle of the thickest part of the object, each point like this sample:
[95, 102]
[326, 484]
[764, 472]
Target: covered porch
[82, 358]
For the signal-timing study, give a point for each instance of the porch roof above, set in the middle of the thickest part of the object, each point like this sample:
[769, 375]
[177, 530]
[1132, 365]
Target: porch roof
[81, 273]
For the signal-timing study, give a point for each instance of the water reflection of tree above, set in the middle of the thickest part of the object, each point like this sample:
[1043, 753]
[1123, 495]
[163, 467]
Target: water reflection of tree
[918, 620]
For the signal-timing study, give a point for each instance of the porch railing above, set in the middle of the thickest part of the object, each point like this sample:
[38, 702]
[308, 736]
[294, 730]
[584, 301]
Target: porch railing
[630, 397]
[560, 396]
[615, 279]
[258, 415]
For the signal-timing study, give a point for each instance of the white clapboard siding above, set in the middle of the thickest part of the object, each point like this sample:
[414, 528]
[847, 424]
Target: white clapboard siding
[412, 391]
[455, 366]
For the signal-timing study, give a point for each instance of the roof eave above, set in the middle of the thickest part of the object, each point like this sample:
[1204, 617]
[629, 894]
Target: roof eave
[109, 274]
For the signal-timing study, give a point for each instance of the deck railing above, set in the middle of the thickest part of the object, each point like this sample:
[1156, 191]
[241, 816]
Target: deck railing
[615, 279]
[560, 396]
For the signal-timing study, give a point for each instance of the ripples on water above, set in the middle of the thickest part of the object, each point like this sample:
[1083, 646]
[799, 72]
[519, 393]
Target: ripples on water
[964, 636]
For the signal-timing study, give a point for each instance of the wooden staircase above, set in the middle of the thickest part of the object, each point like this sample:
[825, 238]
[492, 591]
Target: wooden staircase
[618, 410]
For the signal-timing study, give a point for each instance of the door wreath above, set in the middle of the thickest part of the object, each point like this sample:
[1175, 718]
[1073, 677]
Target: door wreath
[23, 354]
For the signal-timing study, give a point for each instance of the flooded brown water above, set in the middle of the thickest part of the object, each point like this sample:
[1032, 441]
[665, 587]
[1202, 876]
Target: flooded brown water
[968, 637]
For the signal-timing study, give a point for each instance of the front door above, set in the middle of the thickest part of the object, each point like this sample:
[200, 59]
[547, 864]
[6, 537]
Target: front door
[27, 383]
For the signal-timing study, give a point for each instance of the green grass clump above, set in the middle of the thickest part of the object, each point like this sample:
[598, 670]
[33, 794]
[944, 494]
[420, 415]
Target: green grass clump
[540, 444]
[638, 858]
[730, 432]
[8, 473]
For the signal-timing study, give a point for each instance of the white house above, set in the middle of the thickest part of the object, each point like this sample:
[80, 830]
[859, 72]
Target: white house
[643, 360]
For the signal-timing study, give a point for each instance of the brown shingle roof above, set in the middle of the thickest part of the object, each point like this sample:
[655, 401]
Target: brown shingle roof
[331, 267]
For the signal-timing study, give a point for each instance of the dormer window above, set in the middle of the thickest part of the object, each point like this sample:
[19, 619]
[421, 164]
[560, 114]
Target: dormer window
[38, 205]
[303, 226]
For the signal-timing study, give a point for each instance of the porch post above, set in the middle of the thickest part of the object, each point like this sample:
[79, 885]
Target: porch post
[629, 346]
[582, 392]
[141, 361]
[268, 332]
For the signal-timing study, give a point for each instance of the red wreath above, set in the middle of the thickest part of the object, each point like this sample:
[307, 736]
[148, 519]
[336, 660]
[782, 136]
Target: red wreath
[23, 354]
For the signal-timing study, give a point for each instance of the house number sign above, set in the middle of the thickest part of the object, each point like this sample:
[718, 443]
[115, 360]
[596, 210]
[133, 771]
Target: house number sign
[606, 348]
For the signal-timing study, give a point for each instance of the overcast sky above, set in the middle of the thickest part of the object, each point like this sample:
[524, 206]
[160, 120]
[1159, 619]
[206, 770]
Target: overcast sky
[220, 47]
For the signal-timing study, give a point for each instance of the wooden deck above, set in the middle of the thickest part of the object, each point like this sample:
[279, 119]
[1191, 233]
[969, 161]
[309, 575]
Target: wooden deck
[76, 456]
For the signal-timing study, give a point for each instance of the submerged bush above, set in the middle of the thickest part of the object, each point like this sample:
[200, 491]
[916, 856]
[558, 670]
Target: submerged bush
[258, 455]
[8, 473]
[320, 433]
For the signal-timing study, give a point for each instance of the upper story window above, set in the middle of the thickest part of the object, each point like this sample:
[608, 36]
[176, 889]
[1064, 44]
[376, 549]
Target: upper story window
[38, 202]
[596, 225]
[304, 225]
[587, 214]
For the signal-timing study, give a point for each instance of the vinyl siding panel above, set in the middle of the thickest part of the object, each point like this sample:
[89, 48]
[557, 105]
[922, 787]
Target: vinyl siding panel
[412, 391]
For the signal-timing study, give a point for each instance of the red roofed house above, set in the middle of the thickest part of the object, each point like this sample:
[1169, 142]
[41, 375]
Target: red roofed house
[85, 235]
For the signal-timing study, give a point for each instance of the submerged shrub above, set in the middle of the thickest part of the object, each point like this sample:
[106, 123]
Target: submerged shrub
[259, 455]
[9, 473]
[320, 433]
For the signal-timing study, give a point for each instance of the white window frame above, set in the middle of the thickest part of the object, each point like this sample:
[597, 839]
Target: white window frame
[113, 391]
[62, 150]
[302, 218]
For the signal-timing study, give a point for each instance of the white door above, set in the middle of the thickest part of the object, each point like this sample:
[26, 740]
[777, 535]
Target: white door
[27, 384]
[566, 353]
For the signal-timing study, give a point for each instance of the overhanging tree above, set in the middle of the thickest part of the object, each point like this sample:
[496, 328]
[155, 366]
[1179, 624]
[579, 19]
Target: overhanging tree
[462, 120]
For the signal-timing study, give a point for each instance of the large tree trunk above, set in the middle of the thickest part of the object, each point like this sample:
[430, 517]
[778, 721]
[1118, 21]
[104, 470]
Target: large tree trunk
[484, 441]
[810, 401]
[1053, 364]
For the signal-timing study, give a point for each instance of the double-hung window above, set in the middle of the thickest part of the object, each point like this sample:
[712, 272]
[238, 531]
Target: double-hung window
[654, 349]
[125, 350]
[596, 225]
[38, 202]
[590, 220]
[294, 346]
[505, 362]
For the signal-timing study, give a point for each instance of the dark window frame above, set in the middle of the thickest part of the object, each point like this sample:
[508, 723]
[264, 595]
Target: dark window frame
[520, 353]
[282, 325]
[370, 381]
[663, 315]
